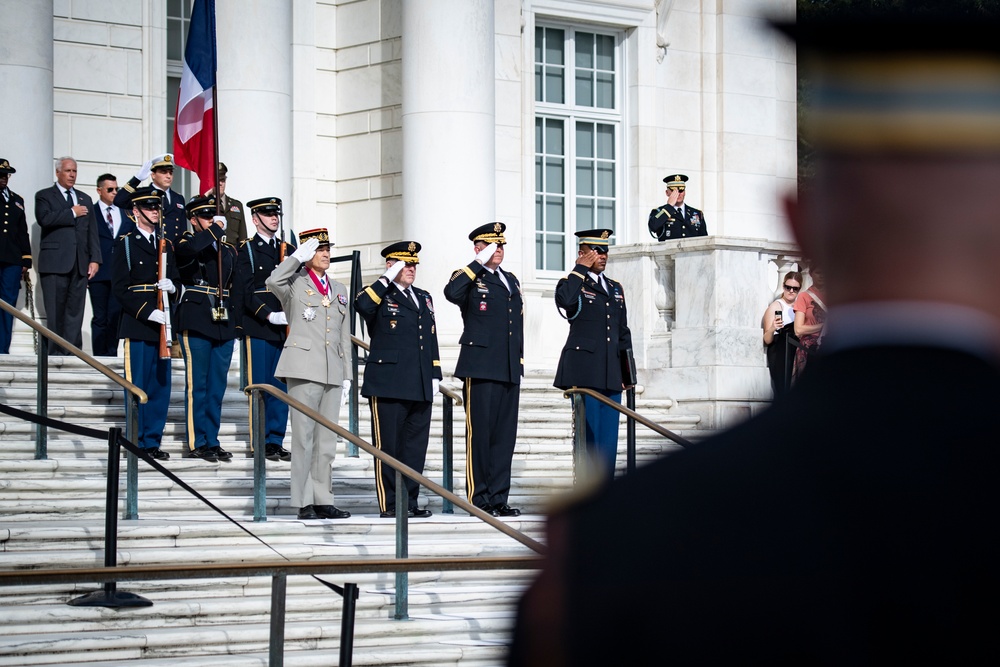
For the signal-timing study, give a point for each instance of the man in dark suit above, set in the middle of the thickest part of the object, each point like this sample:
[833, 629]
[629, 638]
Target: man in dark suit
[403, 371]
[264, 322]
[598, 337]
[675, 219]
[849, 524]
[15, 251]
[69, 253]
[137, 285]
[207, 325]
[160, 171]
[112, 222]
[491, 363]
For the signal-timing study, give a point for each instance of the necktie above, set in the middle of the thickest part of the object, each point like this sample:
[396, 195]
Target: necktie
[111, 222]
[413, 298]
[274, 244]
[69, 198]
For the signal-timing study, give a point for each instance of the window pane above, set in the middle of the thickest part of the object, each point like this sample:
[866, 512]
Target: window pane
[605, 215]
[605, 52]
[554, 253]
[539, 252]
[539, 44]
[539, 146]
[173, 88]
[554, 46]
[174, 8]
[584, 89]
[554, 215]
[554, 175]
[585, 50]
[554, 85]
[605, 142]
[539, 220]
[554, 137]
[174, 40]
[605, 91]
[606, 179]
[538, 83]
[585, 178]
[539, 183]
[585, 214]
[585, 139]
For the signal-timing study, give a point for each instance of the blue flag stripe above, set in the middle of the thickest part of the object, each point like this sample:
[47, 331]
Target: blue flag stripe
[200, 53]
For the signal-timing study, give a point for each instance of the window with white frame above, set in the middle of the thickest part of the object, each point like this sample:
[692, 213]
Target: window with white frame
[578, 130]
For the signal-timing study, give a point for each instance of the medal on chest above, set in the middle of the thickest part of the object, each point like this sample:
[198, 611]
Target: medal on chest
[323, 287]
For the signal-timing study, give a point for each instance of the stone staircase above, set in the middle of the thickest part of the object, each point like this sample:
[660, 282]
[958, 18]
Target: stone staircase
[52, 516]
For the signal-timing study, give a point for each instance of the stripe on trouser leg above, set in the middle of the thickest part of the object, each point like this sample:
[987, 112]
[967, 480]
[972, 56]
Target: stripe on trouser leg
[377, 436]
[188, 391]
[470, 477]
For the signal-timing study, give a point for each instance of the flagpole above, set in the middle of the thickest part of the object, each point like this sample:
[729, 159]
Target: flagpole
[218, 199]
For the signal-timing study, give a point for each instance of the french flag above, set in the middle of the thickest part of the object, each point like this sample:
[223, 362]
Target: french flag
[194, 130]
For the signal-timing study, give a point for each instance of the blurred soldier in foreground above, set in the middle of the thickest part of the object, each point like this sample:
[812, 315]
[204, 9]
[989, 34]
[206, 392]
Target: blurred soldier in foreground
[491, 364]
[316, 364]
[870, 538]
[265, 325]
[402, 373]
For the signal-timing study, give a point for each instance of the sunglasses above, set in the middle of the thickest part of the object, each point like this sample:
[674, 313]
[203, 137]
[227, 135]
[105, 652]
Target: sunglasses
[111, 189]
[791, 289]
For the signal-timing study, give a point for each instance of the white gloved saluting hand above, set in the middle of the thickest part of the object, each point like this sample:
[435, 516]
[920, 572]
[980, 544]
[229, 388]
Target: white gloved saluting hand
[146, 169]
[306, 251]
[157, 316]
[393, 271]
[347, 393]
[277, 318]
[486, 253]
[166, 285]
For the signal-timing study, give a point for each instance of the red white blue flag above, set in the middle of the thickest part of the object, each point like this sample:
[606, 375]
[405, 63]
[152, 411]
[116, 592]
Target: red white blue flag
[194, 129]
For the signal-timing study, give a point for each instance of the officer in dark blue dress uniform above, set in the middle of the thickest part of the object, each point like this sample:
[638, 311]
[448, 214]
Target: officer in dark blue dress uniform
[403, 370]
[675, 219]
[135, 280]
[160, 170]
[265, 324]
[598, 337]
[491, 363]
[15, 251]
[208, 325]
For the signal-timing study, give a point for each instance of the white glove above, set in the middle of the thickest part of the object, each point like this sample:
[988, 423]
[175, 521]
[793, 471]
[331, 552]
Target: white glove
[157, 316]
[277, 318]
[166, 285]
[346, 396]
[393, 271]
[306, 251]
[486, 253]
[146, 169]
[219, 220]
[435, 385]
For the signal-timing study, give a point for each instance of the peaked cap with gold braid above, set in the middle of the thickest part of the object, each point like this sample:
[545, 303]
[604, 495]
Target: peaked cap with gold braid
[404, 251]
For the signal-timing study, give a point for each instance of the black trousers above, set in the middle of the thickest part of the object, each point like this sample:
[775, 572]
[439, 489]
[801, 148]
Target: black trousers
[400, 429]
[490, 432]
[104, 323]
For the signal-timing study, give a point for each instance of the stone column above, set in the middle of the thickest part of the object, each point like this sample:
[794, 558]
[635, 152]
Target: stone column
[255, 99]
[26, 63]
[449, 165]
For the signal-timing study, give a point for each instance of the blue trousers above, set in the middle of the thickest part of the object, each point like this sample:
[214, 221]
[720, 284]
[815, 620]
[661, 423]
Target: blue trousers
[262, 359]
[10, 287]
[602, 431]
[145, 369]
[205, 382]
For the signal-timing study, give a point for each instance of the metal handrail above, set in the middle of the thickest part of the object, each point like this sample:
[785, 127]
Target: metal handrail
[133, 397]
[631, 414]
[406, 470]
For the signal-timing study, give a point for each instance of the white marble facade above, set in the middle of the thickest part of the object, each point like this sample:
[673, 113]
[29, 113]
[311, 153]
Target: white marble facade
[340, 106]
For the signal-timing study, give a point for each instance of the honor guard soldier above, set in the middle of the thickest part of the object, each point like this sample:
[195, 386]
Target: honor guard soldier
[15, 251]
[403, 371]
[599, 340]
[675, 219]
[316, 364]
[491, 363]
[160, 171]
[265, 326]
[207, 321]
[137, 264]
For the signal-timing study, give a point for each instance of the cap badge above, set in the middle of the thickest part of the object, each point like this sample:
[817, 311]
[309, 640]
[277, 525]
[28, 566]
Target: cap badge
[412, 247]
[604, 234]
[498, 228]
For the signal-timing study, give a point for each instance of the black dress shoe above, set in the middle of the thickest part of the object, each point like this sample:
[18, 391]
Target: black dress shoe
[203, 453]
[489, 509]
[418, 513]
[158, 454]
[506, 510]
[330, 512]
[391, 514]
[308, 512]
[222, 454]
[277, 453]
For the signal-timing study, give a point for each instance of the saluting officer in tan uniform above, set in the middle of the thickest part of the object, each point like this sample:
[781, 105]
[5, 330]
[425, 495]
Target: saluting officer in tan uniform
[316, 365]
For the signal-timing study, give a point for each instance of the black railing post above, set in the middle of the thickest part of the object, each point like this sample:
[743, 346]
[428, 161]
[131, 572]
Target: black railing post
[402, 547]
[42, 399]
[131, 461]
[630, 432]
[257, 414]
[110, 596]
[579, 436]
[447, 450]
[276, 645]
[347, 625]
